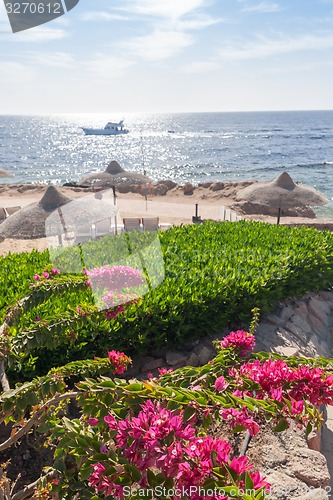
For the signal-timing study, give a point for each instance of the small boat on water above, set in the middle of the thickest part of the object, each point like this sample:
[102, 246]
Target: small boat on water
[111, 128]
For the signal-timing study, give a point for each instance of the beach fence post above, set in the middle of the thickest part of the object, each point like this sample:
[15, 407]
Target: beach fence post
[196, 218]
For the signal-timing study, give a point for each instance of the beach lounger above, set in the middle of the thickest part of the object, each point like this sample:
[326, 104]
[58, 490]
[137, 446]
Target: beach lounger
[12, 210]
[150, 223]
[83, 233]
[132, 224]
[227, 216]
[101, 228]
[3, 214]
[233, 216]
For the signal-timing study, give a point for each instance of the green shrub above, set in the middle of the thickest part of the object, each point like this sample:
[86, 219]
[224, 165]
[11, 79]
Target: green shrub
[215, 273]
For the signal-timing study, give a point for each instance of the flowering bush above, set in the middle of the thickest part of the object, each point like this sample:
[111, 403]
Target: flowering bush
[164, 432]
[278, 381]
[115, 278]
[161, 440]
[46, 274]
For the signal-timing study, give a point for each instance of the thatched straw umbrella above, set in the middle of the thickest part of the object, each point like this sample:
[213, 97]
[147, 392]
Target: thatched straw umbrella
[83, 211]
[282, 192]
[114, 175]
[29, 222]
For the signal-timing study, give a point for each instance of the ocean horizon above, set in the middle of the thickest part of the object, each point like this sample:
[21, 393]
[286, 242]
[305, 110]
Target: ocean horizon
[184, 147]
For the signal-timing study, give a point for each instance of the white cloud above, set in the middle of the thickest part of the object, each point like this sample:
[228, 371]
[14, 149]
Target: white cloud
[13, 73]
[265, 47]
[56, 59]
[39, 35]
[200, 67]
[170, 9]
[198, 22]
[263, 7]
[103, 16]
[107, 68]
[161, 44]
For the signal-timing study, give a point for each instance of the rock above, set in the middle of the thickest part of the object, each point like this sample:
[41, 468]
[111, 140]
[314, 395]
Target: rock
[276, 320]
[326, 296]
[302, 308]
[283, 487]
[320, 346]
[193, 360]
[292, 339]
[314, 440]
[286, 313]
[300, 321]
[287, 351]
[159, 189]
[274, 455]
[299, 334]
[169, 184]
[317, 326]
[319, 309]
[311, 468]
[152, 364]
[175, 358]
[205, 355]
[188, 189]
[316, 494]
[217, 186]
[128, 188]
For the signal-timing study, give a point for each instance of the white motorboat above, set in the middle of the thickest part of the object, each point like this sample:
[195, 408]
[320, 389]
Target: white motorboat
[111, 128]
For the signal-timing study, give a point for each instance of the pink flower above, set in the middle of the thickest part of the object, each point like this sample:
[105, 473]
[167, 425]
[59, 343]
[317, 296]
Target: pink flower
[119, 361]
[258, 481]
[116, 278]
[55, 271]
[297, 407]
[163, 371]
[241, 341]
[240, 464]
[92, 421]
[111, 421]
[220, 384]
[36, 277]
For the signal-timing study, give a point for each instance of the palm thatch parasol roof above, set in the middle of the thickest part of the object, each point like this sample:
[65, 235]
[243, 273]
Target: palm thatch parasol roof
[282, 192]
[55, 214]
[29, 222]
[114, 175]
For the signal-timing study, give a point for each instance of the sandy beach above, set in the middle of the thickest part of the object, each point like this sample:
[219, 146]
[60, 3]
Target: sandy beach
[176, 207]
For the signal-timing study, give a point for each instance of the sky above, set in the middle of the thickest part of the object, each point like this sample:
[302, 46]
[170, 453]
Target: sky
[126, 56]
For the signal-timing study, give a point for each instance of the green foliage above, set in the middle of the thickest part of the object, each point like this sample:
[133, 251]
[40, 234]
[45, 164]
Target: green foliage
[16, 271]
[77, 444]
[215, 274]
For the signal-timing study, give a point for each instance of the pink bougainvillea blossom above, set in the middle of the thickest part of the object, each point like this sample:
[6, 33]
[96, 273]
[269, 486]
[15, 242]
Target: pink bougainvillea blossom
[119, 361]
[115, 278]
[241, 341]
[220, 384]
[162, 440]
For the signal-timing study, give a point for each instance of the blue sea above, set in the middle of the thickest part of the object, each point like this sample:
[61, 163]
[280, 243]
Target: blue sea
[184, 147]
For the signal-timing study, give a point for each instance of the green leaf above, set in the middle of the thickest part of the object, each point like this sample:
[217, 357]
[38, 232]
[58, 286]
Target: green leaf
[281, 426]
[133, 472]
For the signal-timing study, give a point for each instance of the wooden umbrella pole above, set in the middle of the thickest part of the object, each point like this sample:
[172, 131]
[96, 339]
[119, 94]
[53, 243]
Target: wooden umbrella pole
[278, 216]
[115, 203]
